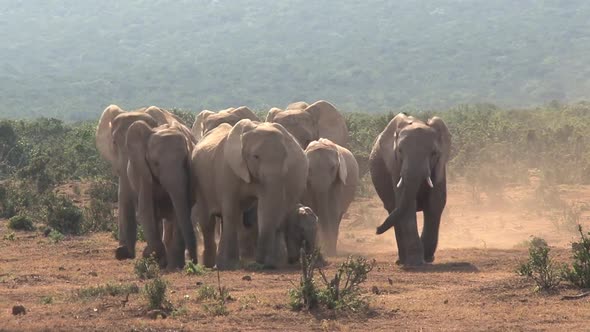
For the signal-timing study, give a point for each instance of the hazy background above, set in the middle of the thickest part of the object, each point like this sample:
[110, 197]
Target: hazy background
[69, 59]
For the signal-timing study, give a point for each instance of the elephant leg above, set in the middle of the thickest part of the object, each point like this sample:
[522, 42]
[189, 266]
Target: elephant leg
[248, 235]
[148, 220]
[208, 225]
[127, 222]
[228, 253]
[430, 234]
[175, 245]
[432, 214]
[401, 250]
[413, 251]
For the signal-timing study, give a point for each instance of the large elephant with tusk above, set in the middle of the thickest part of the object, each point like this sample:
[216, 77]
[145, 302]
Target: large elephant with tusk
[408, 170]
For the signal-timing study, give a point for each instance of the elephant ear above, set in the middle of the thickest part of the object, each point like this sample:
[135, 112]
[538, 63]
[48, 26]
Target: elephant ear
[104, 138]
[199, 124]
[232, 151]
[137, 139]
[444, 146]
[272, 113]
[330, 123]
[342, 168]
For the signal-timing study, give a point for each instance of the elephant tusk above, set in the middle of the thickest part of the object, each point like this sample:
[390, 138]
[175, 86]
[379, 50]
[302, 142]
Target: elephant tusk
[429, 181]
[399, 184]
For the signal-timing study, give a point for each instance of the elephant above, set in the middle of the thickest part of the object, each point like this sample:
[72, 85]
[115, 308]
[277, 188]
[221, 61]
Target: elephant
[312, 122]
[234, 168]
[207, 120]
[149, 150]
[331, 184]
[300, 232]
[408, 169]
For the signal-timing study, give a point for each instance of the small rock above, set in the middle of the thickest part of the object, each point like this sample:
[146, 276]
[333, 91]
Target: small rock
[375, 290]
[446, 301]
[92, 273]
[19, 310]
[199, 283]
[61, 268]
[390, 281]
[247, 278]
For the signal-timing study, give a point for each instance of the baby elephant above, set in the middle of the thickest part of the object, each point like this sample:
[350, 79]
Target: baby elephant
[301, 231]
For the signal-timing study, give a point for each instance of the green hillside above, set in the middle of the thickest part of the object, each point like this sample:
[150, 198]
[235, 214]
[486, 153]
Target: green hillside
[69, 59]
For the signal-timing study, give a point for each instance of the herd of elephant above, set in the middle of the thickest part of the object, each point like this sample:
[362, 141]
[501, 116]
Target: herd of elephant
[265, 190]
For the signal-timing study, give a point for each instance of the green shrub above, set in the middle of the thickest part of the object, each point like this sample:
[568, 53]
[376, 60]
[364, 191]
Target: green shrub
[63, 215]
[98, 217]
[305, 295]
[579, 273]
[155, 293]
[47, 300]
[195, 269]
[342, 293]
[9, 236]
[147, 268]
[108, 289]
[21, 223]
[55, 236]
[540, 267]
[103, 190]
[215, 298]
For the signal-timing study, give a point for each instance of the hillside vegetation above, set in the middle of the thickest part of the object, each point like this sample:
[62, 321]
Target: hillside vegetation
[69, 59]
[492, 149]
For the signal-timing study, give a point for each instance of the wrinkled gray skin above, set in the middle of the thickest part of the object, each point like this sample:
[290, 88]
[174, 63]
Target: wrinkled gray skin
[312, 122]
[408, 169]
[234, 167]
[149, 150]
[207, 121]
[331, 184]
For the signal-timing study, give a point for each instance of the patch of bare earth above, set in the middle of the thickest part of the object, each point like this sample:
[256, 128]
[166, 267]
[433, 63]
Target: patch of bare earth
[471, 287]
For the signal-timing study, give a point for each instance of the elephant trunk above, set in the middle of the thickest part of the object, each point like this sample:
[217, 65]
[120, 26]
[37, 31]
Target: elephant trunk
[180, 195]
[271, 216]
[328, 218]
[408, 185]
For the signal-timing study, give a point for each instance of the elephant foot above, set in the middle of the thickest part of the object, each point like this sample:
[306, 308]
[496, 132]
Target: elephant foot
[123, 252]
[429, 259]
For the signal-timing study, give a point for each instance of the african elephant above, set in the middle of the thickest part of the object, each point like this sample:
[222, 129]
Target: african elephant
[207, 120]
[331, 183]
[300, 231]
[149, 150]
[234, 167]
[312, 122]
[408, 170]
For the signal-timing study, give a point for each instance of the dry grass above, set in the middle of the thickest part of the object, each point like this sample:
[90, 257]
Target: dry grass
[471, 287]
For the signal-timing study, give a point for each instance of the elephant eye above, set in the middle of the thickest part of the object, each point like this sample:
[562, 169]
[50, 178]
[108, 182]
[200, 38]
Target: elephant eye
[256, 157]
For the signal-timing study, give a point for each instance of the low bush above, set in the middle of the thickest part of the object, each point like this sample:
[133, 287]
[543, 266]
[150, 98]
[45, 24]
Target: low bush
[147, 268]
[63, 215]
[341, 293]
[155, 293]
[540, 267]
[579, 273]
[21, 223]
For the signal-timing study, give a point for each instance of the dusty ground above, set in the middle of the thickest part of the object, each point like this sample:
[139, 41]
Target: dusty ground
[472, 285]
